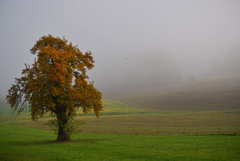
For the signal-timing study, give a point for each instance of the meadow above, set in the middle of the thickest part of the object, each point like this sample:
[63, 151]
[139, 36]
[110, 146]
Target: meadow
[129, 134]
[195, 122]
[22, 143]
[165, 123]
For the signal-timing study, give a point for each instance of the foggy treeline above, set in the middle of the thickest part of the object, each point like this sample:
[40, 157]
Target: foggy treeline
[154, 68]
[159, 68]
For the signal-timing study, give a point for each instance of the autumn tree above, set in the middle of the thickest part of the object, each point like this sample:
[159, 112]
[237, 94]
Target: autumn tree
[56, 83]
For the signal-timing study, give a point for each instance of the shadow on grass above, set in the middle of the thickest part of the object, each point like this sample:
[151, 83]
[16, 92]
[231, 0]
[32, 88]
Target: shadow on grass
[41, 142]
[75, 141]
[234, 134]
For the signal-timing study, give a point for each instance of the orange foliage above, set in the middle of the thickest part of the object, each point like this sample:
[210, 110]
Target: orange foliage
[56, 81]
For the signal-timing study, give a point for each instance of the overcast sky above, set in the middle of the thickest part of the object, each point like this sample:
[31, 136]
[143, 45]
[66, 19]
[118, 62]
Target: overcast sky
[192, 31]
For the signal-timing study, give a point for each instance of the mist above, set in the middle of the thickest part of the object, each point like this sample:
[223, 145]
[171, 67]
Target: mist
[135, 44]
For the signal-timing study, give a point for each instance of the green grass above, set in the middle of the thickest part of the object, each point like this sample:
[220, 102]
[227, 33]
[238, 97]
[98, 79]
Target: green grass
[21, 143]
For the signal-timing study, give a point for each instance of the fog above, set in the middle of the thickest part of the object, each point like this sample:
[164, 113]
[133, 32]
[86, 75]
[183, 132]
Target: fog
[134, 42]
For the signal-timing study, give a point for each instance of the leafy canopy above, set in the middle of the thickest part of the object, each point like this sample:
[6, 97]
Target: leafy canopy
[56, 81]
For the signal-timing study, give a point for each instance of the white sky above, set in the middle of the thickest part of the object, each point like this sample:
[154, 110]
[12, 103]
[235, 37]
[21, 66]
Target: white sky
[192, 31]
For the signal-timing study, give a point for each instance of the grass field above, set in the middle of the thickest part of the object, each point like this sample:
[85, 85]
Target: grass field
[156, 136]
[178, 123]
[22, 143]
[198, 121]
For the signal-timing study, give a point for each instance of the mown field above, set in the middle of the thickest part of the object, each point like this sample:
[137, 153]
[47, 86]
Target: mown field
[22, 143]
[172, 123]
[196, 122]
[137, 135]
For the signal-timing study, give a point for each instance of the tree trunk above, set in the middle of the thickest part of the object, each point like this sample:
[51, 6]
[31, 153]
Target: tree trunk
[62, 133]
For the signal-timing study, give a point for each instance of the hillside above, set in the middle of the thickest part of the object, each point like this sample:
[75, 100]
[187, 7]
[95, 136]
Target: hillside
[206, 93]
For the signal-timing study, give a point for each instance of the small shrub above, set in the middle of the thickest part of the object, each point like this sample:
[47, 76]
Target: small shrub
[71, 128]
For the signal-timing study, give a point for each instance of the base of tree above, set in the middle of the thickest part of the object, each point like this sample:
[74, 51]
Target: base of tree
[62, 140]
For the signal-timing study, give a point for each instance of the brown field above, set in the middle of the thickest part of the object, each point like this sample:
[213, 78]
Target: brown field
[195, 123]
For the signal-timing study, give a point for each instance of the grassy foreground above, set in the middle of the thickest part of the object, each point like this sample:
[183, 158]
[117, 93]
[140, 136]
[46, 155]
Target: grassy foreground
[22, 143]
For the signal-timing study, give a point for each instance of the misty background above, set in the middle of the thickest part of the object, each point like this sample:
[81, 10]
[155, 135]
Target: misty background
[135, 43]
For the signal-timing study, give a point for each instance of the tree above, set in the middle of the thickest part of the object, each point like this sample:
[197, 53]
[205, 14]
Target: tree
[56, 83]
